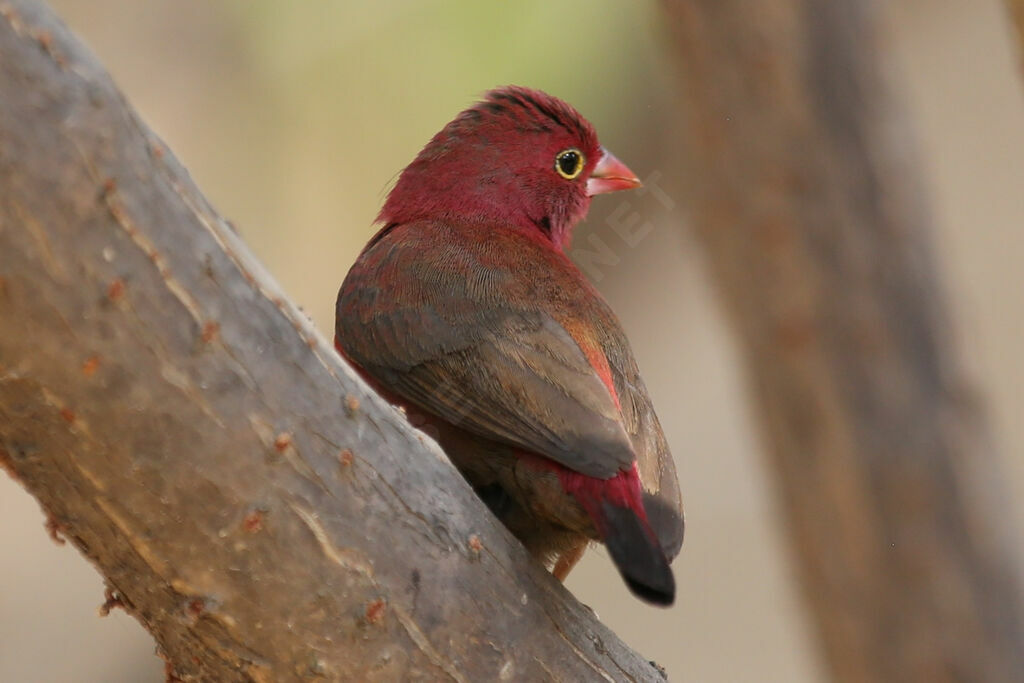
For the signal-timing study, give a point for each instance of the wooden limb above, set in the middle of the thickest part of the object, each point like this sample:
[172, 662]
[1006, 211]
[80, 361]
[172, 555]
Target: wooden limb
[263, 514]
[804, 192]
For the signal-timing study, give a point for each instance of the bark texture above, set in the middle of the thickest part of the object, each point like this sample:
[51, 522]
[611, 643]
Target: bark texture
[262, 513]
[804, 192]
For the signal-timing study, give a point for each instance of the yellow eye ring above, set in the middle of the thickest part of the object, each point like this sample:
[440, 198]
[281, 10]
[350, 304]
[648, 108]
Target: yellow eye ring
[569, 163]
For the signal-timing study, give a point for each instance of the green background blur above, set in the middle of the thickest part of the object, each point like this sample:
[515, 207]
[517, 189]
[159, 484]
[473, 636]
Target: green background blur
[295, 117]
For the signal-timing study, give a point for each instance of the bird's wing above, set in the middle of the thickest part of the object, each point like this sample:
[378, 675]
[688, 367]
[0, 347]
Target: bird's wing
[662, 498]
[433, 323]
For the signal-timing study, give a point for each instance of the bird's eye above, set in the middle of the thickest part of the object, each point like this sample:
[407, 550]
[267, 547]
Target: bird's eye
[569, 163]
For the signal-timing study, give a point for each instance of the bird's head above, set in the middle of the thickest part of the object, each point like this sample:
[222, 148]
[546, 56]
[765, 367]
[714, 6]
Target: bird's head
[519, 158]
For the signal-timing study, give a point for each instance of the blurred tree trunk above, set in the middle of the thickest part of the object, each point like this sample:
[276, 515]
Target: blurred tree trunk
[262, 513]
[1016, 10]
[805, 194]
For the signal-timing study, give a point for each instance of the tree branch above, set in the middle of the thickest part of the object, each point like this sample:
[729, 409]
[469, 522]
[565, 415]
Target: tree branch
[804, 192]
[263, 514]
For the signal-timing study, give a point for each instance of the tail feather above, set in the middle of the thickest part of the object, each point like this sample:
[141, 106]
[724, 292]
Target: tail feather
[638, 555]
[617, 508]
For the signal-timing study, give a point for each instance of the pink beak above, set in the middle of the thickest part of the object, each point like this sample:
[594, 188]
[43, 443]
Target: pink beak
[610, 175]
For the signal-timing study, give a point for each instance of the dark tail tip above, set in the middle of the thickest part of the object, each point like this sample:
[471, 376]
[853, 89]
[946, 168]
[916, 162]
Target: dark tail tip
[638, 555]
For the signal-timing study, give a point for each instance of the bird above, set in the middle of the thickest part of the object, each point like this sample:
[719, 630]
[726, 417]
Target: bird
[465, 311]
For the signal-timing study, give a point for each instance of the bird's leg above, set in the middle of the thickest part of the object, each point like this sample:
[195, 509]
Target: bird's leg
[567, 560]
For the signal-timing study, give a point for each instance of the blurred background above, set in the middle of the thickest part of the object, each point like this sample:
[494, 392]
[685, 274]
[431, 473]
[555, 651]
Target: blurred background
[294, 118]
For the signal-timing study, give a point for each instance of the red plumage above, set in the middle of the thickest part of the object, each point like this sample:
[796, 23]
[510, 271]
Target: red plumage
[465, 310]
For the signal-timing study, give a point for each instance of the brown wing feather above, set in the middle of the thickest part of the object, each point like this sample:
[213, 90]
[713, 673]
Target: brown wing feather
[654, 461]
[471, 325]
[440, 338]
